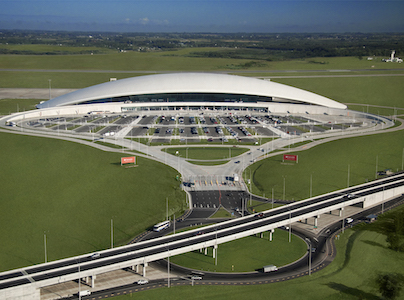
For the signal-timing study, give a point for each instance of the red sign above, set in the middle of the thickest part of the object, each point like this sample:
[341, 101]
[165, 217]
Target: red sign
[128, 160]
[290, 157]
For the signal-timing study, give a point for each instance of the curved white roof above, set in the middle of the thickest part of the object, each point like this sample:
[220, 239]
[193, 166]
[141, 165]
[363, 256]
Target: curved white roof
[190, 83]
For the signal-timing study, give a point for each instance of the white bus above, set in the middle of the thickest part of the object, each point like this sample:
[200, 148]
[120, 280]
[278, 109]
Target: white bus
[161, 226]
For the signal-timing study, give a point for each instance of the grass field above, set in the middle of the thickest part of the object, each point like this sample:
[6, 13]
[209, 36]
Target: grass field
[8, 106]
[178, 60]
[384, 91]
[71, 192]
[327, 165]
[206, 153]
[255, 252]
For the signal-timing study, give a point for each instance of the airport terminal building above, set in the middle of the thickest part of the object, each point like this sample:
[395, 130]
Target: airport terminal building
[192, 91]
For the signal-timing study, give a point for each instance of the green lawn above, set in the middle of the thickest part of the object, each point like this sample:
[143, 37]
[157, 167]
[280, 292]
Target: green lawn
[221, 213]
[327, 165]
[8, 106]
[246, 254]
[206, 153]
[385, 91]
[180, 61]
[71, 192]
[176, 60]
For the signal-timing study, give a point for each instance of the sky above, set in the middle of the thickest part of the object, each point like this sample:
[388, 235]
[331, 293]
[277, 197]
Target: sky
[204, 15]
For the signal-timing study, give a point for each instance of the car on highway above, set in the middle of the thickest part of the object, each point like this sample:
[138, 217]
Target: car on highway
[200, 233]
[142, 281]
[259, 215]
[95, 255]
[196, 277]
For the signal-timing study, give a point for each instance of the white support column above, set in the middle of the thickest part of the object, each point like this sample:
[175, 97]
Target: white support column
[270, 234]
[144, 269]
[206, 251]
[340, 211]
[261, 235]
[316, 220]
[93, 281]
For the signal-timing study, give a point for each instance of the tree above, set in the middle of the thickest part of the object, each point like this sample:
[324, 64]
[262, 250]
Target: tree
[393, 240]
[390, 285]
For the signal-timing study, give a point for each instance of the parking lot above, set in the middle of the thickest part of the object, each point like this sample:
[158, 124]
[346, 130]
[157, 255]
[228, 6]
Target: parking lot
[192, 127]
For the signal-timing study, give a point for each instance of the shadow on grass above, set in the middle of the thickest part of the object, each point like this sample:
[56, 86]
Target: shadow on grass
[351, 291]
[372, 243]
[198, 257]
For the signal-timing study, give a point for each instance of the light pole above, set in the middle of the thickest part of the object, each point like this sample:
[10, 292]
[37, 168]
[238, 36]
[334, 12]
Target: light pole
[216, 247]
[377, 161]
[174, 224]
[308, 241]
[79, 281]
[402, 160]
[284, 187]
[50, 80]
[168, 267]
[44, 240]
[311, 184]
[112, 233]
[290, 225]
[343, 221]
[167, 209]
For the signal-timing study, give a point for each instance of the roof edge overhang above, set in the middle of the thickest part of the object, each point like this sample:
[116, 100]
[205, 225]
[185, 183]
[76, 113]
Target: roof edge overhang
[191, 83]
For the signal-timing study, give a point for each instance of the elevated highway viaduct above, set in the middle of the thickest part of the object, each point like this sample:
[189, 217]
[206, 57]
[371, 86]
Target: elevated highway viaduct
[24, 283]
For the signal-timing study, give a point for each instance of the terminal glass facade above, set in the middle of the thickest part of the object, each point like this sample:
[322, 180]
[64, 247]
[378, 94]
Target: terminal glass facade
[182, 97]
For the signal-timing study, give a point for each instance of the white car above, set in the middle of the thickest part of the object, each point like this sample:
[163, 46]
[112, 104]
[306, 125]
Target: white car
[142, 281]
[196, 277]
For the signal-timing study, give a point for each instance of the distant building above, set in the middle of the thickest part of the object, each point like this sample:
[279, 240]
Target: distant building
[392, 58]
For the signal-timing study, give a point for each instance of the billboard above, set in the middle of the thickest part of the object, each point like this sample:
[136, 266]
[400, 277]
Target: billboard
[290, 157]
[128, 160]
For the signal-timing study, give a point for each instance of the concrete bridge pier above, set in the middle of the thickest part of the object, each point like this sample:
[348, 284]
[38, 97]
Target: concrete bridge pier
[135, 268]
[144, 268]
[206, 251]
[270, 234]
[340, 211]
[214, 251]
[316, 220]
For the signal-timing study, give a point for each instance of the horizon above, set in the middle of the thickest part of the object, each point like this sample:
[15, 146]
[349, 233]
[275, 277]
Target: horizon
[204, 16]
